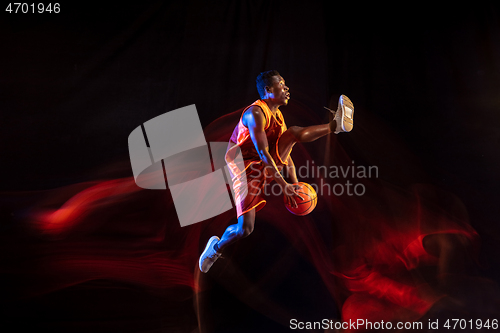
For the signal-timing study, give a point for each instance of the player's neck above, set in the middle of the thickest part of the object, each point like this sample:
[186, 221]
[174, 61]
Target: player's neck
[272, 106]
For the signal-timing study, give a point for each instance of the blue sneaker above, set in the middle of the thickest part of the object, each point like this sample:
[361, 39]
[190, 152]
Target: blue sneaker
[209, 255]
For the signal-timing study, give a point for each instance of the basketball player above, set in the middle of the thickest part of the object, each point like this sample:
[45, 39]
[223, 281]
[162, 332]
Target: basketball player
[265, 144]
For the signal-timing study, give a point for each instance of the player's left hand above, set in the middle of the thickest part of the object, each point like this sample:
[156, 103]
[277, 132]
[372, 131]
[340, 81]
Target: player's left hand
[291, 192]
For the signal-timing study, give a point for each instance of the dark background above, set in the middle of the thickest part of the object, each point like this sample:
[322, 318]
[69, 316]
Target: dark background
[73, 86]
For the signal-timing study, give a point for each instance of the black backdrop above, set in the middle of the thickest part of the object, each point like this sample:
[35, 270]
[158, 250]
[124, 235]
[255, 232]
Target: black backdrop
[75, 84]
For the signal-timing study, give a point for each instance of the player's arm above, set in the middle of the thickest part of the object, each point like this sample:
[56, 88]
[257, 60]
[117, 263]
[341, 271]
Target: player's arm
[255, 120]
[290, 169]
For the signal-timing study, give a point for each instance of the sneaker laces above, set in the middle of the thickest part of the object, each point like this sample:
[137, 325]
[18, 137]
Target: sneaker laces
[333, 112]
[215, 256]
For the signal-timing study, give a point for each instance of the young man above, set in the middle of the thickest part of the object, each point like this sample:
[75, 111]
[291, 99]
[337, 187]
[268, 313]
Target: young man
[265, 144]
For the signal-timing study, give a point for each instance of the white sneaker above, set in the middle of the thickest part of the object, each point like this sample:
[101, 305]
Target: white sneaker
[209, 255]
[344, 115]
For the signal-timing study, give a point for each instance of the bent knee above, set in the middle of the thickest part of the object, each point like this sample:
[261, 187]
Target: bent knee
[240, 232]
[246, 231]
[295, 131]
[295, 128]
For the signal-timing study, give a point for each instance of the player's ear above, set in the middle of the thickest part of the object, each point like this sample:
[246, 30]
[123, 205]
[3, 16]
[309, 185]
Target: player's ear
[268, 89]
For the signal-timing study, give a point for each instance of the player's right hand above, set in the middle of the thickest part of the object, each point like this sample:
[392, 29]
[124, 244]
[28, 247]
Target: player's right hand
[291, 191]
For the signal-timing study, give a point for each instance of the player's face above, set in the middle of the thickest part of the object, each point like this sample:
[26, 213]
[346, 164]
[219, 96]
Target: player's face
[279, 91]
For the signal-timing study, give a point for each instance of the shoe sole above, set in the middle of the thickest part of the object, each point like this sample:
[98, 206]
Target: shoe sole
[209, 245]
[346, 118]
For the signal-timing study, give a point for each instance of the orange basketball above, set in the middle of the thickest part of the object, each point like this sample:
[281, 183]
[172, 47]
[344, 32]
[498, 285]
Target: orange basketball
[307, 205]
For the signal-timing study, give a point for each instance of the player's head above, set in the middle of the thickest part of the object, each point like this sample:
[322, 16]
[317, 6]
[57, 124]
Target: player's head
[265, 79]
[270, 84]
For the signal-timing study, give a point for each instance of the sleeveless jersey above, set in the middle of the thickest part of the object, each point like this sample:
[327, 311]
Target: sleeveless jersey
[274, 128]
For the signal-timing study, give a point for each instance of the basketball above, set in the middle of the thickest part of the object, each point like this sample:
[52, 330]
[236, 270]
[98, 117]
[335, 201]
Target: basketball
[307, 205]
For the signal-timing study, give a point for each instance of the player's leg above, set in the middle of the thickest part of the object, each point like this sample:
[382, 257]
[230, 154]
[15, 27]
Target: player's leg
[342, 122]
[233, 233]
[300, 134]
[237, 231]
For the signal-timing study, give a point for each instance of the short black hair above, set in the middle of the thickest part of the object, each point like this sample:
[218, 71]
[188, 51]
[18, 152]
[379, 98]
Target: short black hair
[264, 80]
